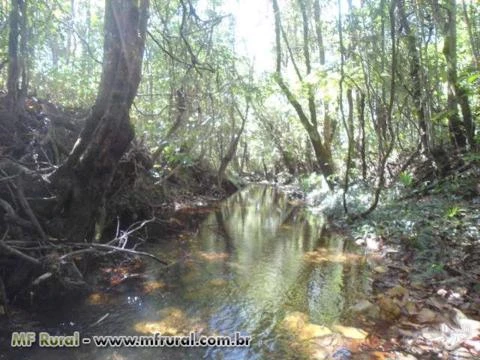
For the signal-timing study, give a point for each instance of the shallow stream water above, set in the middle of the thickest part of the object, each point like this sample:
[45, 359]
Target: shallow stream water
[259, 265]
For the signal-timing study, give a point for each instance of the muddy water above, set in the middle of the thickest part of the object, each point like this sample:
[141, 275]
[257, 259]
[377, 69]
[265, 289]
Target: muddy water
[259, 265]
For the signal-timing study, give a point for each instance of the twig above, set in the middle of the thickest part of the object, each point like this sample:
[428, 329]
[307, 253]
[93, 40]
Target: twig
[90, 247]
[19, 254]
[8, 178]
[41, 278]
[122, 237]
[99, 320]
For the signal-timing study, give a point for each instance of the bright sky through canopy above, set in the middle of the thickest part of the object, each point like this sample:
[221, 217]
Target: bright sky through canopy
[254, 30]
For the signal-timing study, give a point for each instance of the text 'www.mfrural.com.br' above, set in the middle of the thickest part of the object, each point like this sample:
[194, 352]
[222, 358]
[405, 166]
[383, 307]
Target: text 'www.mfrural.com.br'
[44, 339]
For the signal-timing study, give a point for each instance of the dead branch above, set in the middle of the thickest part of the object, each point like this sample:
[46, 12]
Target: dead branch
[122, 236]
[111, 248]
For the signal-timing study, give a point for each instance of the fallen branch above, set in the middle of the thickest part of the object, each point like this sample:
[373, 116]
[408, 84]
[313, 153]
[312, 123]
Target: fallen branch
[91, 247]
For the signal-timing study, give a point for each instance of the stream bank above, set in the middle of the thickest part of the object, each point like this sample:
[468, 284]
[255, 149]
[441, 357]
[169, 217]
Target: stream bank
[38, 264]
[424, 243]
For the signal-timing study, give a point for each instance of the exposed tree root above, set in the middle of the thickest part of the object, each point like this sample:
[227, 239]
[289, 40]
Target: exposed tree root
[34, 247]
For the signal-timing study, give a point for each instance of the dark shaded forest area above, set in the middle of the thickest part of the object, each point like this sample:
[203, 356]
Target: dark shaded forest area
[127, 120]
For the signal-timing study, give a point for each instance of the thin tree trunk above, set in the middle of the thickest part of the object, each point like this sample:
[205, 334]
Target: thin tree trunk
[415, 73]
[361, 117]
[473, 45]
[457, 133]
[16, 81]
[232, 147]
[383, 156]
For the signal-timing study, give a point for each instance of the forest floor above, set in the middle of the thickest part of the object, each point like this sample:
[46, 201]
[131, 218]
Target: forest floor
[423, 252]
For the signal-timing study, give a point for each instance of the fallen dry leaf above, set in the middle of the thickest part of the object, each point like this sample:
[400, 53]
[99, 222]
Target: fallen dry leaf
[426, 316]
[213, 256]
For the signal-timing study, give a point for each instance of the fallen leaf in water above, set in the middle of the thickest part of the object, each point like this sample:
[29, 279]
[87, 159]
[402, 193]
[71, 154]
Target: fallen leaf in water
[174, 322]
[171, 311]
[155, 327]
[297, 324]
[350, 332]
[99, 299]
[218, 282]
[151, 286]
[213, 256]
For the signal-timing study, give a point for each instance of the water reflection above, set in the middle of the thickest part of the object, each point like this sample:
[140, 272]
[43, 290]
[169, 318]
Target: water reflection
[254, 265]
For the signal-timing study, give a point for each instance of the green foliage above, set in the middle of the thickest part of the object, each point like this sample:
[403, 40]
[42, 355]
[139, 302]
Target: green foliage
[406, 178]
[453, 212]
[311, 182]
[471, 156]
[195, 49]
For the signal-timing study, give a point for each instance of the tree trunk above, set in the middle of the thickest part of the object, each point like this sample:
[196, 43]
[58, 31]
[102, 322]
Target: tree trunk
[87, 174]
[232, 146]
[16, 82]
[415, 73]
[362, 141]
[457, 132]
[471, 37]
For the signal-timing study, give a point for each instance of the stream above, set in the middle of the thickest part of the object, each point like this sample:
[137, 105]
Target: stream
[259, 265]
